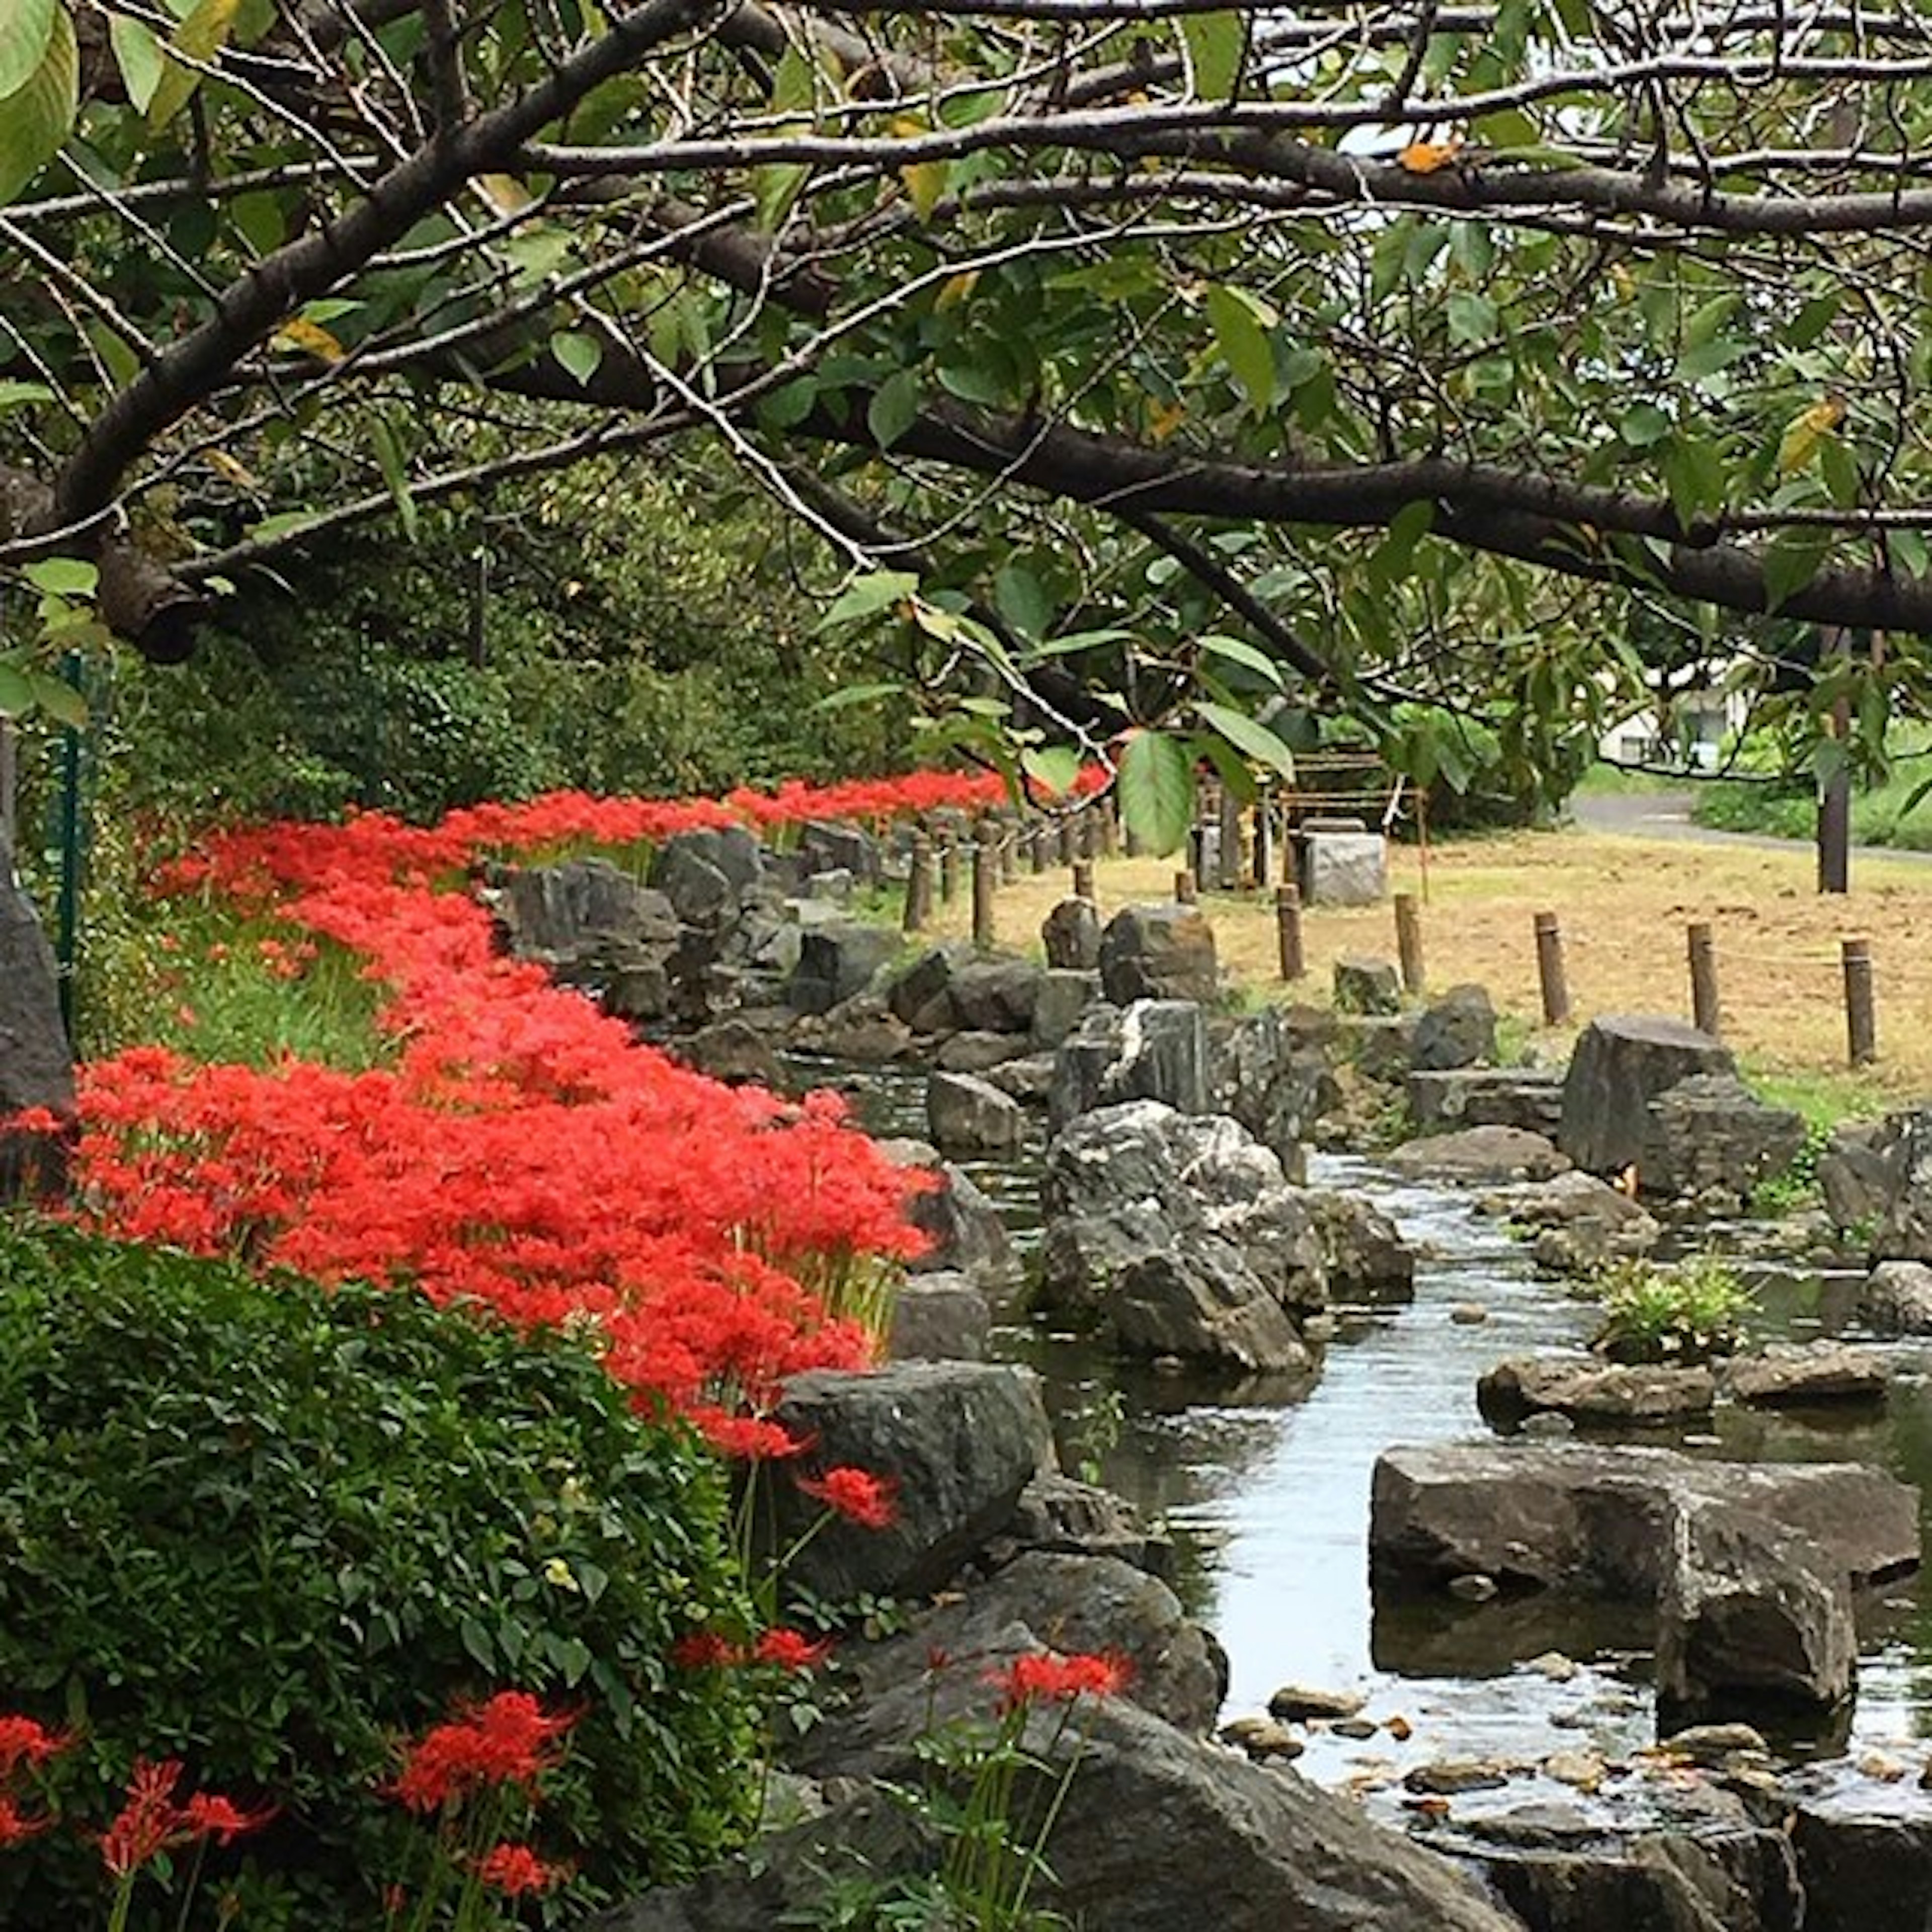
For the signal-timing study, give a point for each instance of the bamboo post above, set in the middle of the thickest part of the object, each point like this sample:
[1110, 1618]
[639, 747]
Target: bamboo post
[1287, 931]
[1186, 890]
[1550, 969]
[1083, 879]
[1861, 1013]
[918, 885]
[1705, 1012]
[1228, 854]
[1408, 940]
[986, 880]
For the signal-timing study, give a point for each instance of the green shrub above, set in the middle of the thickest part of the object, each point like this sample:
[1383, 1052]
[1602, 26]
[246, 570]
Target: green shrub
[267, 1529]
[1684, 1311]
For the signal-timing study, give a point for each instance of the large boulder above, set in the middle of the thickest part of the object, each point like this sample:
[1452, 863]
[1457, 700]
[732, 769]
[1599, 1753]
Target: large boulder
[825, 847]
[1159, 953]
[1597, 1520]
[1065, 994]
[940, 1316]
[707, 874]
[1266, 1073]
[1750, 1614]
[1458, 1029]
[1152, 1050]
[1621, 1063]
[1711, 1134]
[1202, 1303]
[1070, 935]
[958, 1442]
[36, 1063]
[1897, 1298]
[1864, 1855]
[995, 995]
[922, 995]
[1881, 1182]
[967, 1117]
[1478, 1157]
[1364, 1255]
[1811, 1375]
[555, 914]
[835, 961]
[1578, 1224]
[963, 1228]
[1855, 1173]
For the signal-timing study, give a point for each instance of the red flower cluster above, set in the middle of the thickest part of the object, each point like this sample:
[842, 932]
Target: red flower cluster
[789, 1649]
[24, 1745]
[855, 1494]
[151, 1823]
[510, 1740]
[1044, 1677]
[514, 1870]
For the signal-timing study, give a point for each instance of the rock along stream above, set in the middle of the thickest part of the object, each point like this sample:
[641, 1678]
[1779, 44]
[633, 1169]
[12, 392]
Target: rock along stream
[1265, 1488]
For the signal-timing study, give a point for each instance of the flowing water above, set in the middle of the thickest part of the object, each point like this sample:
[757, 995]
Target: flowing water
[1265, 1489]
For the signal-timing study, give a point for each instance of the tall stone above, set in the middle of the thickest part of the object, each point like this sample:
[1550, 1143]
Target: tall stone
[1159, 953]
[1621, 1064]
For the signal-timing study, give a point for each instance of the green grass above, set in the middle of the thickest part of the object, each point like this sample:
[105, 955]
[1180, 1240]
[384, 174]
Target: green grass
[1824, 1097]
[1602, 781]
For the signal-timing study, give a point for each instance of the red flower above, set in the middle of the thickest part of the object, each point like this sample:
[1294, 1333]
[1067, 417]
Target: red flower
[147, 1823]
[1042, 1675]
[208, 1814]
[32, 1120]
[22, 1740]
[791, 1649]
[508, 1741]
[855, 1494]
[516, 1869]
[705, 1650]
[749, 1439]
[15, 1824]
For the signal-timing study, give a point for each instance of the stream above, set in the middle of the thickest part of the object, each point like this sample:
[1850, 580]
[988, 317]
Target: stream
[1266, 1491]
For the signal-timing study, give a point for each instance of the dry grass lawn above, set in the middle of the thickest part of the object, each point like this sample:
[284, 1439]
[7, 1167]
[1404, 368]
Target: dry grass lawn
[1624, 904]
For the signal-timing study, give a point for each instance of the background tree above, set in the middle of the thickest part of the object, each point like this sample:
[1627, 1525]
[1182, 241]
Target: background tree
[1078, 330]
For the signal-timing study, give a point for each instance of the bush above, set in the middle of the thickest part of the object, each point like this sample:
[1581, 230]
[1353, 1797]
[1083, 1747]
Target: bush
[1684, 1312]
[268, 1529]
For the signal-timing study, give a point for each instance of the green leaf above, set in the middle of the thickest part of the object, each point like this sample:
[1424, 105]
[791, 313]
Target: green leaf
[973, 382]
[201, 36]
[17, 395]
[59, 699]
[1471, 317]
[476, 1640]
[1157, 790]
[1244, 344]
[139, 55]
[894, 408]
[1215, 44]
[16, 693]
[787, 407]
[1643, 425]
[1694, 472]
[849, 694]
[578, 353]
[36, 116]
[1812, 320]
[1054, 769]
[1022, 600]
[1909, 550]
[775, 187]
[865, 596]
[64, 576]
[26, 26]
[1250, 657]
[389, 457]
[1251, 739]
[1791, 560]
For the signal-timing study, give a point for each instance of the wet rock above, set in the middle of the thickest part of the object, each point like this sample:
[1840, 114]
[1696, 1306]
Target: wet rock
[1468, 1315]
[1712, 1744]
[735, 1051]
[1711, 1136]
[1061, 1003]
[1298, 1703]
[1596, 1519]
[1793, 1375]
[1058, 1513]
[1367, 986]
[1750, 1614]
[1589, 1390]
[1263, 1739]
[939, 1317]
[1356, 1729]
[1083, 1256]
[1159, 953]
[1865, 1862]
[1553, 1665]
[1897, 1298]
[1204, 1304]
[1527, 1097]
[1478, 1157]
[979, 1052]
[966, 1116]
[1070, 933]
[995, 995]
[1458, 1029]
[1579, 1224]
[963, 1228]
[835, 961]
[1363, 1256]
[1620, 1064]
[1451, 1777]
[960, 1441]
[1152, 1050]
[861, 1029]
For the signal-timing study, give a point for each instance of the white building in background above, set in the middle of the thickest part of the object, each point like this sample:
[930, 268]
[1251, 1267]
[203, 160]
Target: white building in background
[1688, 731]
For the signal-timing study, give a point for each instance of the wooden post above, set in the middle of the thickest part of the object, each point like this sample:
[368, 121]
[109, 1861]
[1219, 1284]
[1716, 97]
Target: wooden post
[986, 880]
[1550, 969]
[1010, 849]
[1264, 845]
[1036, 848]
[918, 885]
[1408, 940]
[1705, 1012]
[1110, 828]
[1186, 890]
[948, 868]
[1197, 848]
[1228, 857]
[1287, 931]
[1089, 821]
[1860, 1014]
[1068, 834]
[1083, 879]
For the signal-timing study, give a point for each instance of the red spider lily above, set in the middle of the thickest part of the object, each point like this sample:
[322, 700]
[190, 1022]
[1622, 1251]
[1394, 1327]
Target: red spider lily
[25, 1740]
[856, 1494]
[508, 1741]
[514, 1870]
[151, 1823]
[208, 1814]
[15, 1825]
[705, 1650]
[790, 1649]
[32, 1120]
[748, 1438]
[1043, 1677]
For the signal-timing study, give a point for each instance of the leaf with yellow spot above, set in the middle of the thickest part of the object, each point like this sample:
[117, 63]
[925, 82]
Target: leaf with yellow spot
[1164, 418]
[1805, 432]
[309, 338]
[504, 194]
[1429, 158]
[954, 290]
[231, 467]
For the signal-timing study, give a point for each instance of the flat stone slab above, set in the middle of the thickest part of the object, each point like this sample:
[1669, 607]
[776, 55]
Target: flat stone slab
[1588, 1390]
[1827, 1372]
[1596, 1519]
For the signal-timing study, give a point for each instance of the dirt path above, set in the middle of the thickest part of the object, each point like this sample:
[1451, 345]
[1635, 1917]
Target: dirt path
[1624, 899]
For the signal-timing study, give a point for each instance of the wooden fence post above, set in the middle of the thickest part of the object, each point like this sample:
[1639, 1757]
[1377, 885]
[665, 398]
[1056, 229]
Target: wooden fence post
[1037, 847]
[1287, 931]
[986, 879]
[1264, 845]
[1861, 1012]
[1228, 854]
[918, 885]
[1010, 849]
[1550, 969]
[948, 868]
[1705, 1012]
[1083, 879]
[1408, 940]
[1186, 890]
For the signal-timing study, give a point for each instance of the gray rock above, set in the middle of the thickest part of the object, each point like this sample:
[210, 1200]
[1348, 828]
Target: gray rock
[1367, 986]
[734, 1051]
[1865, 1859]
[1710, 1132]
[1380, 1045]
[978, 1052]
[552, 912]
[1855, 1173]
[1363, 1257]
[1204, 1304]
[1750, 1614]
[1027, 1079]
[996, 995]
[1083, 1256]
[1058, 1513]
[36, 1063]
[1528, 1097]
[836, 962]
[959, 1441]
[1297, 1703]
[846, 848]
[1065, 994]
[1151, 1050]
[1589, 1390]
[1459, 1029]
[1071, 934]
[1579, 1224]
[939, 1317]
[1478, 1156]
[706, 873]
[1897, 1298]
[1265, 1073]
[966, 1116]
[922, 995]
[1595, 1520]
[1344, 868]
[1159, 953]
[860, 1029]
[1620, 1065]
[1787, 1376]
[964, 1229]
